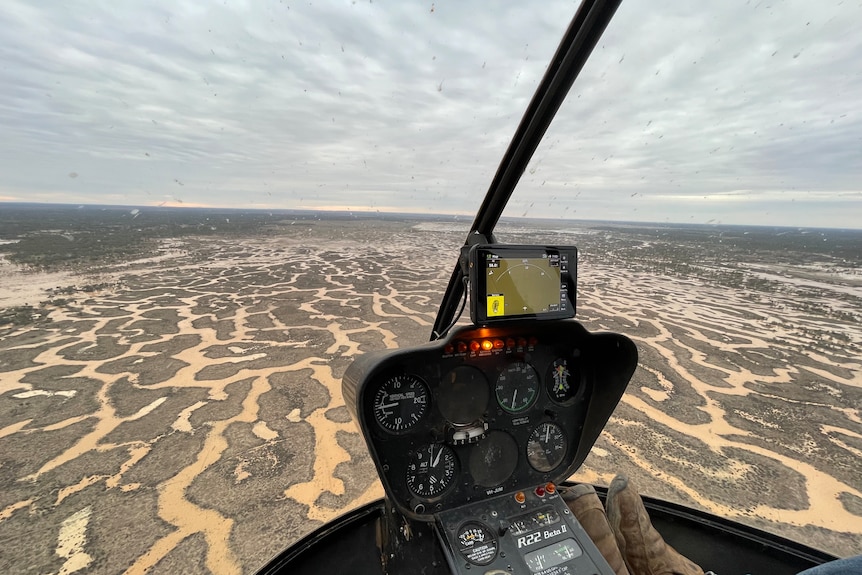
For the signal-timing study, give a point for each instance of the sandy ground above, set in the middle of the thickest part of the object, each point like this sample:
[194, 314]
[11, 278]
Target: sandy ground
[190, 418]
[20, 287]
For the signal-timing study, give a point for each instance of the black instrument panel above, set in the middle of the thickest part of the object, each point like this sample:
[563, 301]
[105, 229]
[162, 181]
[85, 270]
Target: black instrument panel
[487, 410]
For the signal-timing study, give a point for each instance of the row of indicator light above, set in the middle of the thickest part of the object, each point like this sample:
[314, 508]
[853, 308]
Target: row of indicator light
[476, 345]
[541, 491]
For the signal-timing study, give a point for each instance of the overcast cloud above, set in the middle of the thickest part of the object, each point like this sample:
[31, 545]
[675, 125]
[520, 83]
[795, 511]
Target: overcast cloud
[731, 112]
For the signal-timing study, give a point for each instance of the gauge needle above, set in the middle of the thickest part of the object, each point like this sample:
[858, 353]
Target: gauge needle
[547, 432]
[387, 405]
[514, 395]
[437, 459]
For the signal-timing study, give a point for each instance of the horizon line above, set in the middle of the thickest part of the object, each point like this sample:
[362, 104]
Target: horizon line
[371, 212]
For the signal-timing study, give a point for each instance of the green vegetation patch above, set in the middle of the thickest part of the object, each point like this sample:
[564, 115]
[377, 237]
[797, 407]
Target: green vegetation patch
[45, 250]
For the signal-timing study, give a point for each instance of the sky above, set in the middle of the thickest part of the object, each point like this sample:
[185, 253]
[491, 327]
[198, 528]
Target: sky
[732, 112]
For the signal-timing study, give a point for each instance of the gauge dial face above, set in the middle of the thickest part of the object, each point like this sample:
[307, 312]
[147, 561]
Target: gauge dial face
[400, 403]
[517, 387]
[431, 470]
[554, 554]
[494, 459]
[463, 395]
[563, 380]
[477, 543]
[535, 520]
[546, 447]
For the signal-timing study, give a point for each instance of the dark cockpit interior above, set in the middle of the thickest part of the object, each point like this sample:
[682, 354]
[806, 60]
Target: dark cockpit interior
[490, 416]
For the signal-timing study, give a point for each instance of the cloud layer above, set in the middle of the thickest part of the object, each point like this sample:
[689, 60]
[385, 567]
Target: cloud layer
[736, 112]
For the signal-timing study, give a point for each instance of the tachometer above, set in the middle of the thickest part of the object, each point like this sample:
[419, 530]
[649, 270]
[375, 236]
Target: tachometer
[546, 447]
[517, 387]
[431, 470]
[400, 403]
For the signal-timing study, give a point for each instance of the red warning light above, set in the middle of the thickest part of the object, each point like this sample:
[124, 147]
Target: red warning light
[498, 344]
[540, 491]
[448, 349]
[510, 342]
[474, 345]
[462, 347]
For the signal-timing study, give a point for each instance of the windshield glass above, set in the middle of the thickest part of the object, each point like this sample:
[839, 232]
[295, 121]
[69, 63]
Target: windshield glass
[323, 106]
[207, 211]
[726, 137]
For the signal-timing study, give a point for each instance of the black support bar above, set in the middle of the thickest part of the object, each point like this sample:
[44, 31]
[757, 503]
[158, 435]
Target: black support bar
[580, 39]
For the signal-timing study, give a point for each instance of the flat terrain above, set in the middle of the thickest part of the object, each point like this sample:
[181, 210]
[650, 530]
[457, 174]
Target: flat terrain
[173, 404]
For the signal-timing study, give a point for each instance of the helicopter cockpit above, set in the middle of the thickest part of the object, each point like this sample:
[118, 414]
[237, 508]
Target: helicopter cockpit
[472, 432]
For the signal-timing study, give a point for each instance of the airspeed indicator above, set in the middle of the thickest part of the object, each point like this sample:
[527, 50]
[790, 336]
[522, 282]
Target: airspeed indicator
[400, 403]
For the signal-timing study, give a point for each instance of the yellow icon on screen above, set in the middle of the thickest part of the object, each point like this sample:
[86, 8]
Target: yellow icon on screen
[495, 305]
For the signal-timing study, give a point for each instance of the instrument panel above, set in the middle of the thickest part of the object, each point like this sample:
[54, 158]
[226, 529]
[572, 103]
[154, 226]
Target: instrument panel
[485, 411]
[537, 534]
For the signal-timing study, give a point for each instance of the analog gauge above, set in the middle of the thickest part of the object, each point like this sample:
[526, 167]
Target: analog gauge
[534, 520]
[431, 470]
[557, 553]
[400, 403]
[546, 517]
[463, 395]
[477, 543]
[494, 459]
[517, 387]
[563, 380]
[546, 447]
[521, 526]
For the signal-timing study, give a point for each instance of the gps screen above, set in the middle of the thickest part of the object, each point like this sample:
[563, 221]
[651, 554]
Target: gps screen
[518, 286]
[522, 282]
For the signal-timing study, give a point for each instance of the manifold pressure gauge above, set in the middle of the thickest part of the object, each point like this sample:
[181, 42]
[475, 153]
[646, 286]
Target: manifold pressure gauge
[546, 447]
